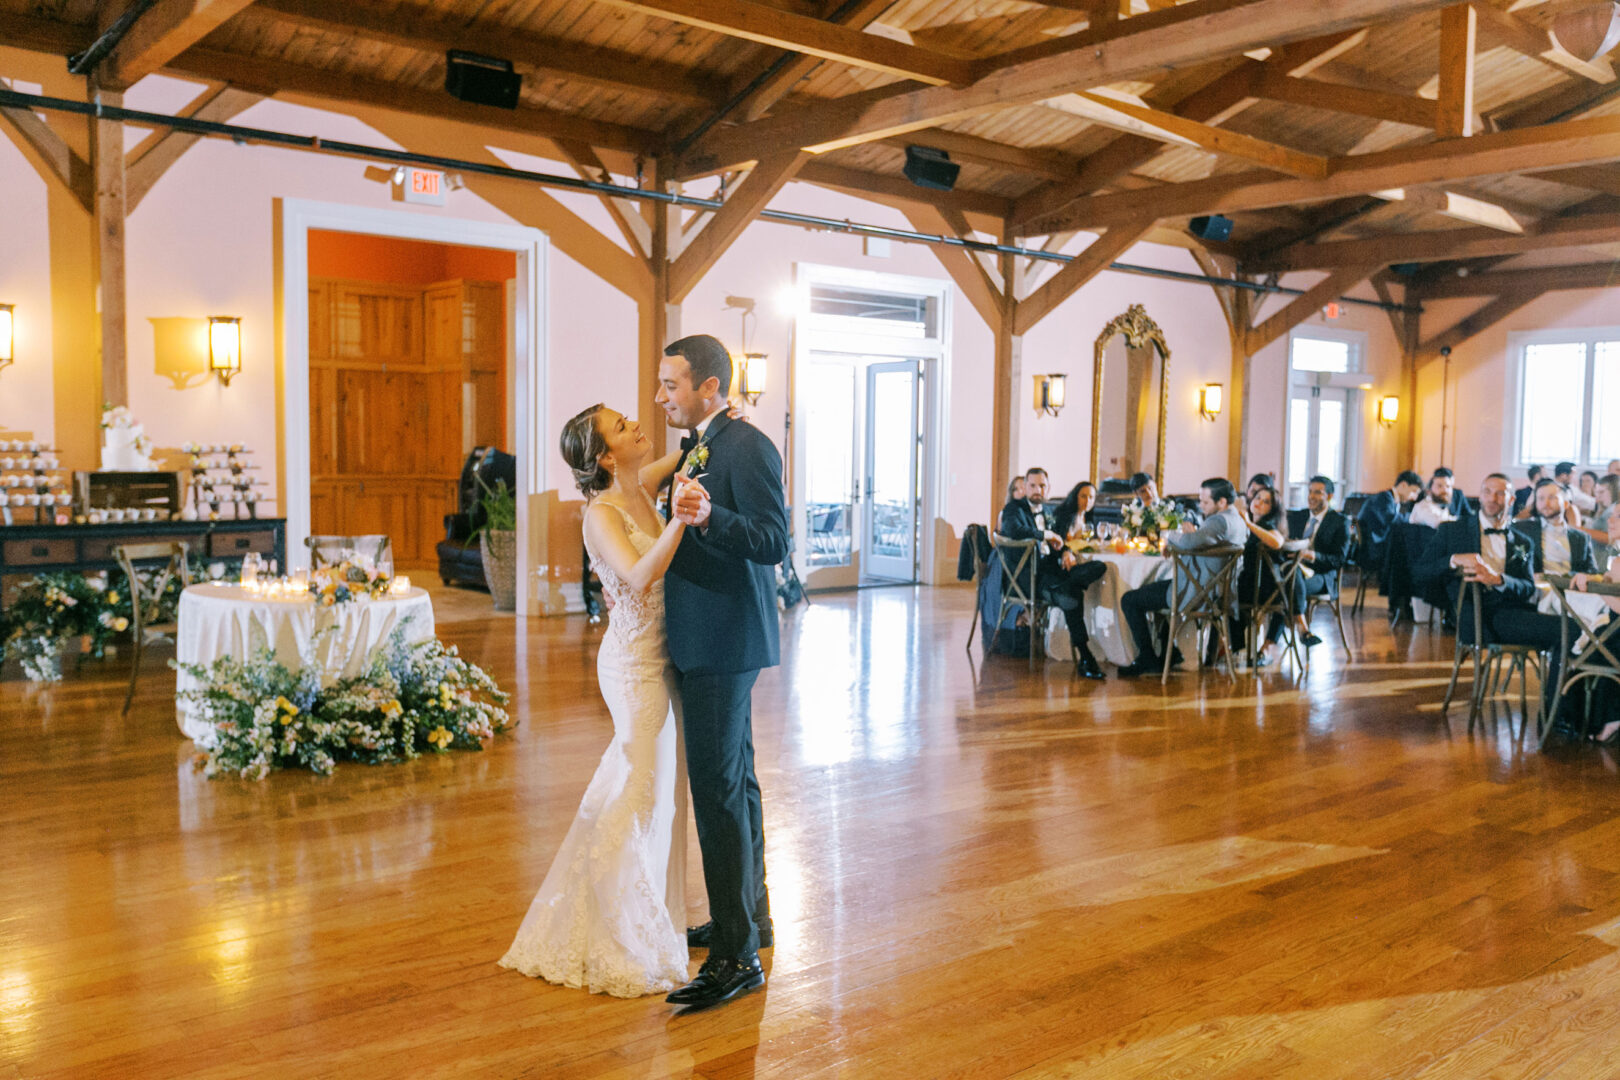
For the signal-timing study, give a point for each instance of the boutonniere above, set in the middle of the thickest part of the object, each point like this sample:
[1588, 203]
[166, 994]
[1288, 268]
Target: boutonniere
[697, 460]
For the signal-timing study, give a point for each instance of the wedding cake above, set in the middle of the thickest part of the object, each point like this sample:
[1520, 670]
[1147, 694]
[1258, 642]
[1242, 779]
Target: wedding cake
[125, 446]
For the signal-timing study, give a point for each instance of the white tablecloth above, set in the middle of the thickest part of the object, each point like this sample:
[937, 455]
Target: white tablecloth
[1588, 608]
[225, 620]
[1105, 622]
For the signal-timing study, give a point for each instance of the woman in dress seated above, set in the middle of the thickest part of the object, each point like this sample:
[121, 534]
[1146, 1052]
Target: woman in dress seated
[1262, 512]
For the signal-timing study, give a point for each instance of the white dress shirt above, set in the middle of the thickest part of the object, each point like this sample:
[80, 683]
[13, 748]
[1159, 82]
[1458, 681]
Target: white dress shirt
[1430, 513]
[1555, 557]
[1583, 502]
[1493, 549]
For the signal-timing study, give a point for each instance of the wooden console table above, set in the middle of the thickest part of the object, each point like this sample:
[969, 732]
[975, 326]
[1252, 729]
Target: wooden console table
[26, 550]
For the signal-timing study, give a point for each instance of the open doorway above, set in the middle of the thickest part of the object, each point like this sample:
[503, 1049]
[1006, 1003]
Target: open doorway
[408, 370]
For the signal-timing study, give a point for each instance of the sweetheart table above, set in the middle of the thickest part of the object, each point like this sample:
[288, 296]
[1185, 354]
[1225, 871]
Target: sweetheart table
[227, 620]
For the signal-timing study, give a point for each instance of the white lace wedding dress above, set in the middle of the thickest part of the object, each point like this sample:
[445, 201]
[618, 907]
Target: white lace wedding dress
[611, 914]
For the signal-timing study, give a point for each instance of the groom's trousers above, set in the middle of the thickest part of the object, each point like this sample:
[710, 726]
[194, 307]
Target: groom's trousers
[717, 715]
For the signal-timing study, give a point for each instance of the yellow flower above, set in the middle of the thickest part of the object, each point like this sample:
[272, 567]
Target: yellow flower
[112, 597]
[286, 706]
[392, 708]
[440, 737]
[120, 624]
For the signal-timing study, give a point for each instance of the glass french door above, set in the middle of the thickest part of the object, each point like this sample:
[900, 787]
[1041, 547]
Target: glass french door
[1317, 434]
[861, 427]
[889, 518]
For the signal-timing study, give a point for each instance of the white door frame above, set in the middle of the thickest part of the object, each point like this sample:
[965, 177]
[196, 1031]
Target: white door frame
[1356, 382]
[935, 364]
[527, 411]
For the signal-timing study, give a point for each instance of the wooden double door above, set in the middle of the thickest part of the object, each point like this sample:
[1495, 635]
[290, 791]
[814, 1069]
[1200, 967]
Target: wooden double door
[404, 381]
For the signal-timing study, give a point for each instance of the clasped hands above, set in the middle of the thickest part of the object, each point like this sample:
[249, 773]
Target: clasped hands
[690, 503]
[1475, 570]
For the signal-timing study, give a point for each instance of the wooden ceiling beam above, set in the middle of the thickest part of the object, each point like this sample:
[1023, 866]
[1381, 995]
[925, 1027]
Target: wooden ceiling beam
[162, 33]
[1523, 36]
[1487, 316]
[741, 207]
[146, 163]
[1576, 142]
[1302, 307]
[1336, 97]
[43, 35]
[959, 263]
[280, 78]
[54, 159]
[1601, 275]
[775, 86]
[812, 37]
[608, 68]
[1082, 268]
[899, 188]
[1454, 105]
[1604, 178]
[1141, 47]
[1581, 230]
[970, 148]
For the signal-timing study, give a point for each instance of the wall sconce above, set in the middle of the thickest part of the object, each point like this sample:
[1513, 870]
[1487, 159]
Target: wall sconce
[8, 335]
[1389, 410]
[225, 346]
[1210, 398]
[751, 376]
[1051, 393]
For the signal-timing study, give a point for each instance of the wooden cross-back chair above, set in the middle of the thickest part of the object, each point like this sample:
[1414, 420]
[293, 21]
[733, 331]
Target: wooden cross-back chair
[146, 596]
[1020, 578]
[1210, 603]
[331, 550]
[1273, 600]
[1599, 660]
[1488, 658]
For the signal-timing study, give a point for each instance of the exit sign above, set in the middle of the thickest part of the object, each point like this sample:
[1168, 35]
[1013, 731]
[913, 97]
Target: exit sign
[423, 186]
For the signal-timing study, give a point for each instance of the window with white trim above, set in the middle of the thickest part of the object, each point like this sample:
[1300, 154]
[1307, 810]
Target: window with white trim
[1568, 402]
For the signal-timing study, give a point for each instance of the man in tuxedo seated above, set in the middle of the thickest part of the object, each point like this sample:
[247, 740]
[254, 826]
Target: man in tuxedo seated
[1523, 498]
[1486, 547]
[1222, 526]
[1061, 578]
[1327, 537]
[1439, 504]
[1564, 474]
[1555, 548]
[1380, 513]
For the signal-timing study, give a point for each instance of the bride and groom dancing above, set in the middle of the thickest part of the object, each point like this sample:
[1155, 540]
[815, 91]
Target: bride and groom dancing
[693, 621]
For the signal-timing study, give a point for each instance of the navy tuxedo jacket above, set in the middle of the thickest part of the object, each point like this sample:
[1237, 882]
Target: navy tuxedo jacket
[720, 592]
[1378, 516]
[1331, 543]
[1462, 536]
[1580, 547]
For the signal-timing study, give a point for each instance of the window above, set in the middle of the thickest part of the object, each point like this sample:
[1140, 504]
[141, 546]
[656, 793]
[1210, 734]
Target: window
[1320, 354]
[1569, 398]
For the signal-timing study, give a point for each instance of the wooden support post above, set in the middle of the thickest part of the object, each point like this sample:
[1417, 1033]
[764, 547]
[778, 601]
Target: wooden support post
[1237, 397]
[1008, 379]
[107, 168]
[660, 321]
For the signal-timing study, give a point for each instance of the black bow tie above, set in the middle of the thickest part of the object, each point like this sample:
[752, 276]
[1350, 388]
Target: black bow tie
[1496, 532]
[688, 441]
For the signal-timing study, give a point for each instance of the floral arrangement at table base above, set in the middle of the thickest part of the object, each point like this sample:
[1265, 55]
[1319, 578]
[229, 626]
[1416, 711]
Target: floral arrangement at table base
[411, 700]
[1142, 519]
[51, 613]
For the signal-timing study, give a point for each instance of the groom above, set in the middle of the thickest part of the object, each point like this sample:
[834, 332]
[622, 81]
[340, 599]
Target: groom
[720, 607]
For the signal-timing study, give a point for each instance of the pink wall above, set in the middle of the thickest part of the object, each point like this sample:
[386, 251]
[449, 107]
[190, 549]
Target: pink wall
[26, 393]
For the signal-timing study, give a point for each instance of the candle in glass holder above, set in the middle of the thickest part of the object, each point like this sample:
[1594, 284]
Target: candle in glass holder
[400, 586]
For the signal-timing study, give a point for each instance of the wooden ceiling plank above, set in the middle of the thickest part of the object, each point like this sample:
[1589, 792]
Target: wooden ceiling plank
[281, 79]
[813, 37]
[1082, 268]
[1523, 36]
[608, 68]
[1575, 142]
[779, 85]
[1604, 178]
[1454, 105]
[741, 207]
[1579, 230]
[1195, 33]
[1302, 307]
[1336, 97]
[37, 34]
[162, 33]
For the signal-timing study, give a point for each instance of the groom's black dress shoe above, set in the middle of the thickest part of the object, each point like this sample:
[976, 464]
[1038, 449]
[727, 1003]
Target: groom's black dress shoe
[698, 937]
[720, 979]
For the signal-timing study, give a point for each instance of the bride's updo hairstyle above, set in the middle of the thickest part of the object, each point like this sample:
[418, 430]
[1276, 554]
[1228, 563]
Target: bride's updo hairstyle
[583, 447]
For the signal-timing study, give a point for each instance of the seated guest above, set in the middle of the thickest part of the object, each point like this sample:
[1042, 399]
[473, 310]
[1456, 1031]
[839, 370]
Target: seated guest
[1486, 547]
[1257, 481]
[1605, 693]
[1603, 521]
[1015, 489]
[1564, 475]
[1437, 505]
[1380, 513]
[1073, 515]
[1144, 487]
[1555, 546]
[1614, 466]
[1222, 526]
[1327, 538]
[1263, 515]
[1060, 577]
[1587, 485]
[1522, 497]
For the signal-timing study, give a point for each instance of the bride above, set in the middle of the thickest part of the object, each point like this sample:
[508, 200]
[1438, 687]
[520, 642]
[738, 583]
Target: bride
[611, 914]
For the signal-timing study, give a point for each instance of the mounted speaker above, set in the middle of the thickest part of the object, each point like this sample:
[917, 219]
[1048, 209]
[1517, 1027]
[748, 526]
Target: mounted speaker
[931, 168]
[1212, 227]
[481, 80]
[1405, 269]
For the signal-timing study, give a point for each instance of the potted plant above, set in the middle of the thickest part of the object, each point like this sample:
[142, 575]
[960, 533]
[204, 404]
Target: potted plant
[497, 542]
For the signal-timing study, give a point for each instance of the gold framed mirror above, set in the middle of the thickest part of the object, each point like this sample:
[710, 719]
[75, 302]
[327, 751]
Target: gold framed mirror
[1132, 385]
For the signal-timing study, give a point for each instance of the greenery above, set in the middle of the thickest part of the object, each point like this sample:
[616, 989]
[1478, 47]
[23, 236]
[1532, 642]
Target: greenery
[499, 505]
[411, 700]
[50, 613]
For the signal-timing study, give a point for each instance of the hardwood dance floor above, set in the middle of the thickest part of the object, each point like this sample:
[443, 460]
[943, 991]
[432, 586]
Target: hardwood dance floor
[975, 873]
